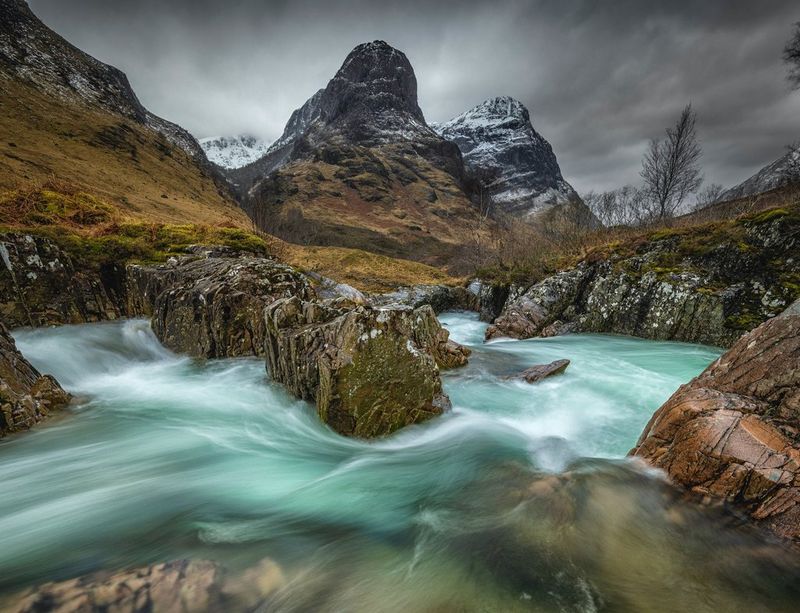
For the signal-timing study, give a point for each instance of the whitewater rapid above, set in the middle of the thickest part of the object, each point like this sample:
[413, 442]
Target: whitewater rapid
[164, 457]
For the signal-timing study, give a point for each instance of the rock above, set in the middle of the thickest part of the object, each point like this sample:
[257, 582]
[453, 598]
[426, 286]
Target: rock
[211, 303]
[536, 373]
[700, 286]
[370, 371]
[336, 293]
[732, 433]
[40, 285]
[439, 297]
[179, 586]
[490, 298]
[26, 396]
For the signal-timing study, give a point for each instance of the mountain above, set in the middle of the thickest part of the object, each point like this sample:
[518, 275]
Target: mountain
[65, 114]
[517, 165]
[358, 166]
[233, 151]
[783, 171]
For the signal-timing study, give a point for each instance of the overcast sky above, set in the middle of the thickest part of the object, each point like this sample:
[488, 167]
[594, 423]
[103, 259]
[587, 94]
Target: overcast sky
[600, 78]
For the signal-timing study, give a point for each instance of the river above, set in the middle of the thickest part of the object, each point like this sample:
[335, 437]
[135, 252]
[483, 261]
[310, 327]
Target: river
[519, 499]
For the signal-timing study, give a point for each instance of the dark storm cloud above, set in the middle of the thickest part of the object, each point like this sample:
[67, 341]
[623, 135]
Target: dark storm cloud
[600, 78]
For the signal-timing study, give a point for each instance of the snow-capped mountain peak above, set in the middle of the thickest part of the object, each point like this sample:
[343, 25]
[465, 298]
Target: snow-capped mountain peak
[233, 151]
[518, 165]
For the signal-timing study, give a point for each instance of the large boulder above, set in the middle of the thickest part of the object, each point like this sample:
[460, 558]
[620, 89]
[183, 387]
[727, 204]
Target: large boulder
[41, 285]
[26, 396]
[211, 303]
[370, 371]
[733, 433]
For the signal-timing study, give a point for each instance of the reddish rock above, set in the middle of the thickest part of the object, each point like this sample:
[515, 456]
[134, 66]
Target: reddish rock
[733, 433]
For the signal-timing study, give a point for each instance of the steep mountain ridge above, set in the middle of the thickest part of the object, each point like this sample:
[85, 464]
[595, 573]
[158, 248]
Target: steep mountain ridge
[357, 166]
[501, 147]
[66, 115]
[780, 173]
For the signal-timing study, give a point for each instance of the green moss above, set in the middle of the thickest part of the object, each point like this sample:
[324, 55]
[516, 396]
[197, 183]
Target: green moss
[743, 321]
[765, 216]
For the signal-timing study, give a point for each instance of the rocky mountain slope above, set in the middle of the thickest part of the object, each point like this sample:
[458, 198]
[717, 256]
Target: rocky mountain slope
[780, 173]
[501, 147]
[233, 151]
[65, 114]
[358, 166]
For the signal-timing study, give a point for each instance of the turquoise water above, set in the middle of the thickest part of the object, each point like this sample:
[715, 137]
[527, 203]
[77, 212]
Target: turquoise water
[519, 499]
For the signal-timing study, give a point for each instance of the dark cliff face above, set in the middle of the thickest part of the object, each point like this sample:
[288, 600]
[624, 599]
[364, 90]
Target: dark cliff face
[516, 164]
[373, 97]
[33, 53]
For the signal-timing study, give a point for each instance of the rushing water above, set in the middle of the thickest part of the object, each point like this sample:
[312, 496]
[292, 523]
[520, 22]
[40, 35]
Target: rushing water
[519, 499]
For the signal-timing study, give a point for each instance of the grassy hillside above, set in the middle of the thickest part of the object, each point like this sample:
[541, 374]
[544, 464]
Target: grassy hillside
[387, 199]
[133, 169]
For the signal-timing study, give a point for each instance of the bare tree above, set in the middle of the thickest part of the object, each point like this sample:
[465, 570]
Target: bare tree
[791, 55]
[708, 196]
[625, 206]
[670, 168]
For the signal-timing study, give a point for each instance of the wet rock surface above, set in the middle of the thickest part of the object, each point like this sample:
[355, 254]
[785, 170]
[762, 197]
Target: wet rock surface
[703, 287]
[211, 303]
[733, 433]
[26, 396]
[41, 285]
[439, 297]
[534, 374]
[369, 371]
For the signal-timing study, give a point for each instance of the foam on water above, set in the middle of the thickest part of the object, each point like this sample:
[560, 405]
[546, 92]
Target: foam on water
[166, 457]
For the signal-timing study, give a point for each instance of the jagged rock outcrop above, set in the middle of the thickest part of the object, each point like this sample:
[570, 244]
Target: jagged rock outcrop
[369, 371]
[782, 172]
[516, 165]
[732, 433]
[26, 396]
[211, 303]
[489, 298]
[706, 285]
[41, 285]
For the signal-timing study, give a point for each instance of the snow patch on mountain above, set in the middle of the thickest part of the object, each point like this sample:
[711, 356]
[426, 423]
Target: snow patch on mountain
[501, 148]
[233, 151]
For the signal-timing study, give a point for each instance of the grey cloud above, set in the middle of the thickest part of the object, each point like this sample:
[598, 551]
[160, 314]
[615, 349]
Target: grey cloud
[600, 78]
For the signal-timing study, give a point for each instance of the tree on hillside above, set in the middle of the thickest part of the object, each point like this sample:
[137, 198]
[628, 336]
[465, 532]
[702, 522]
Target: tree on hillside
[624, 206]
[708, 196]
[670, 169]
[791, 55]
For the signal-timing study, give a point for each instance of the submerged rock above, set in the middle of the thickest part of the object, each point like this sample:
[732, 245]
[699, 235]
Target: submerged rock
[733, 433]
[369, 371]
[211, 303]
[180, 586]
[536, 373]
[26, 396]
